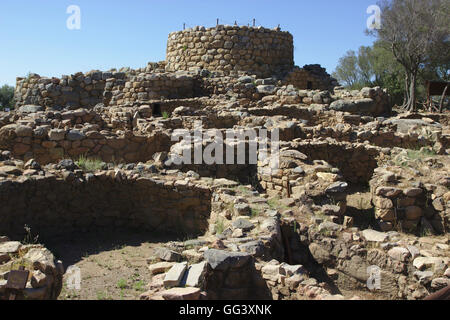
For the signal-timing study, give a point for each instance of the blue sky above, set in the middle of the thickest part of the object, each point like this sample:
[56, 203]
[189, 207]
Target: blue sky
[117, 33]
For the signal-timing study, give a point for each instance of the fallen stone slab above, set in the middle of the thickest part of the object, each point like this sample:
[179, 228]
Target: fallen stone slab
[175, 275]
[224, 260]
[196, 274]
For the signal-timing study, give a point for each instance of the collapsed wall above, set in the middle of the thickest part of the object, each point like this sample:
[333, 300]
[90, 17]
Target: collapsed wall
[54, 206]
[259, 51]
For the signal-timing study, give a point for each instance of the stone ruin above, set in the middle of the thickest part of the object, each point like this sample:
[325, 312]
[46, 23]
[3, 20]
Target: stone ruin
[358, 186]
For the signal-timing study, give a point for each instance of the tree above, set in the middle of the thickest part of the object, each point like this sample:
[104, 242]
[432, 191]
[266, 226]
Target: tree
[347, 71]
[415, 31]
[6, 97]
[388, 73]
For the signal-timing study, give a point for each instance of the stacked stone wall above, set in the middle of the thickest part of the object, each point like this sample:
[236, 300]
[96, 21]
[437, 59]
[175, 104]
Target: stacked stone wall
[259, 51]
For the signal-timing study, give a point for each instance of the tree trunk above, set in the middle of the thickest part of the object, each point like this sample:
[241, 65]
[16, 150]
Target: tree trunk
[406, 94]
[411, 104]
[441, 104]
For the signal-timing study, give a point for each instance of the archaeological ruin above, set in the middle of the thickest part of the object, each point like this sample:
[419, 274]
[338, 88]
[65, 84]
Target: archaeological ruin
[358, 186]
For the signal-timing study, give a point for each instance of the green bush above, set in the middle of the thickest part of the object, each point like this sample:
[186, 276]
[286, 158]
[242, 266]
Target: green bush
[6, 97]
[89, 164]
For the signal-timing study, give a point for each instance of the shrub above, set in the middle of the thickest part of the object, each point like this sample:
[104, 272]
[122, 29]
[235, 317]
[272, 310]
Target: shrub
[89, 164]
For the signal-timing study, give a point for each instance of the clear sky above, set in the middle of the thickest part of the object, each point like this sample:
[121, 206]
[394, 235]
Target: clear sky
[115, 33]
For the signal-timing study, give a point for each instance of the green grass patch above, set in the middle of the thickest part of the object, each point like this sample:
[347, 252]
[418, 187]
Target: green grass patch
[275, 204]
[122, 284]
[89, 164]
[220, 226]
[255, 212]
[420, 154]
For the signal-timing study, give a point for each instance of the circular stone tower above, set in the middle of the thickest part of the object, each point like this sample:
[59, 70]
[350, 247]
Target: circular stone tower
[258, 51]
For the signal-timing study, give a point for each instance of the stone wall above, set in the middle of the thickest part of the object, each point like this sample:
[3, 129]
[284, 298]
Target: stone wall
[54, 206]
[310, 77]
[150, 86]
[110, 88]
[357, 161]
[408, 206]
[47, 144]
[231, 48]
[74, 91]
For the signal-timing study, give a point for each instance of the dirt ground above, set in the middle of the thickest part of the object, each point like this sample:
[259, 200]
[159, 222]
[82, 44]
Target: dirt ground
[113, 266]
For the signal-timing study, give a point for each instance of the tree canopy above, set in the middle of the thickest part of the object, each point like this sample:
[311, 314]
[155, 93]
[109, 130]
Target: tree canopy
[6, 97]
[413, 45]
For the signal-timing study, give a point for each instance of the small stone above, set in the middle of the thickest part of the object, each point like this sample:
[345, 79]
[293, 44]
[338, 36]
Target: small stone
[440, 283]
[4, 257]
[75, 135]
[424, 276]
[242, 209]
[237, 233]
[348, 222]
[57, 134]
[38, 280]
[243, 224]
[413, 192]
[160, 267]
[168, 255]
[337, 187]
[383, 203]
[388, 192]
[399, 254]
[10, 247]
[447, 273]
[288, 270]
[374, 236]
[12, 170]
[328, 225]
[67, 164]
[429, 262]
[181, 294]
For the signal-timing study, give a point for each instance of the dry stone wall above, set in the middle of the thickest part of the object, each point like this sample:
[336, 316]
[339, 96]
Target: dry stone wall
[259, 51]
[54, 206]
[46, 144]
[109, 88]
